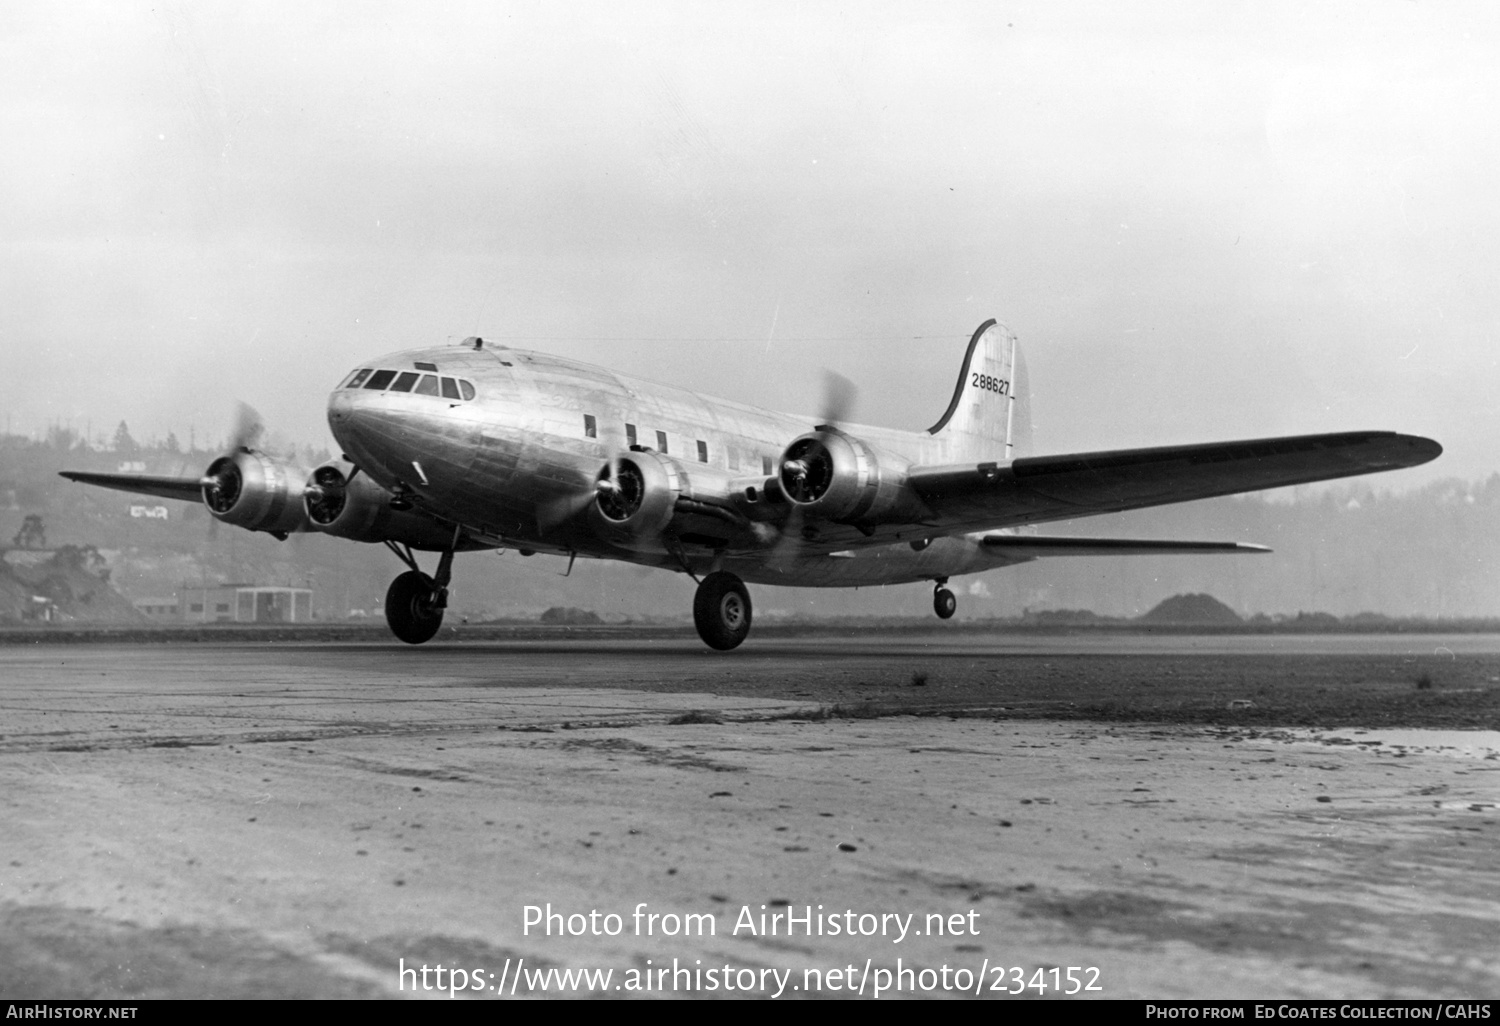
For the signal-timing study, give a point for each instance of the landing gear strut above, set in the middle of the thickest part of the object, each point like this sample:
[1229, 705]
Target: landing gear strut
[414, 603]
[721, 610]
[943, 602]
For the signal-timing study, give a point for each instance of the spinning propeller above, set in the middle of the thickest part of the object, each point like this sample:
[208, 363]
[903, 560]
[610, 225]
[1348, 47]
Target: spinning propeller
[223, 481]
[807, 468]
[617, 487]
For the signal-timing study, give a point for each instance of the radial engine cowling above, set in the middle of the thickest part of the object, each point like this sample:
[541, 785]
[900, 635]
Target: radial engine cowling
[635, 497]
[835, 476]
[346, 504]
[255, 491]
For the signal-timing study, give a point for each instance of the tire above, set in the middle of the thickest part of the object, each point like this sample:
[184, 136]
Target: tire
[944, 604]
[411, 608]
[721, 611]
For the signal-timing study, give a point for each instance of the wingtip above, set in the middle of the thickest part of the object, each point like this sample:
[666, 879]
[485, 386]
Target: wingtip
[1427, 449]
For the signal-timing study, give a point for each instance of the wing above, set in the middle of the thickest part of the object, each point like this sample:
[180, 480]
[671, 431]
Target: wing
[1031, 546]
[189, 489]
[971, 497]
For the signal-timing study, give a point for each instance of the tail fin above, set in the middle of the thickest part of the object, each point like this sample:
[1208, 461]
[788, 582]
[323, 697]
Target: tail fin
[989, 416]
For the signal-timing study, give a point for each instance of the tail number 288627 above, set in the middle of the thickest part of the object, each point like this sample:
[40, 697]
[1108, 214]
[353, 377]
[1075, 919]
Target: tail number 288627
[997, 385]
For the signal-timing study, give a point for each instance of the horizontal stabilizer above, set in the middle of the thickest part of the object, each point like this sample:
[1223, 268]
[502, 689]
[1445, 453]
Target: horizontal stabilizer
[1040, 488]
[189, 489]
[1032, 546]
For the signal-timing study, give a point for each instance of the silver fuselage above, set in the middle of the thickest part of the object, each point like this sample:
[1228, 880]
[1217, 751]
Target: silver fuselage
[503, 463]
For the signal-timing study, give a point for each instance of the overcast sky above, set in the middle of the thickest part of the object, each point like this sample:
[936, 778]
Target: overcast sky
[1204, 221]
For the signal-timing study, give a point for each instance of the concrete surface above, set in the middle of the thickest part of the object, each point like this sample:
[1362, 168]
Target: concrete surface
[297, 821]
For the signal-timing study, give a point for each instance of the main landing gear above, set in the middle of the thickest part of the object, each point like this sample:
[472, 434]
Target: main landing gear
[721, 610]
[943, 602]
[414, 603]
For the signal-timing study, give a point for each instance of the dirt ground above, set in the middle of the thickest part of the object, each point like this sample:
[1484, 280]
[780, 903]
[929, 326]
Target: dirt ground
[1172, 819]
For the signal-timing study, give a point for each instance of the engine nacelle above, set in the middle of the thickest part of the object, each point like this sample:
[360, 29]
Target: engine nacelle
[346, 504]
[255, 491]
[635, 497]
[835, 476]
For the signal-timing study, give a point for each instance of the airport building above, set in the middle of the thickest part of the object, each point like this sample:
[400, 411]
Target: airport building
[244, 603]
[166, 610]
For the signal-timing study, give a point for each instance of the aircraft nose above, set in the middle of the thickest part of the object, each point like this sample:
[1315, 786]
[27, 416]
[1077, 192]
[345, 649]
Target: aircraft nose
[341, 407]
[353, 421]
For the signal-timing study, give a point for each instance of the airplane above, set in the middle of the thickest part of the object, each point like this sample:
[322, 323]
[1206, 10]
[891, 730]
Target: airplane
[478, 446]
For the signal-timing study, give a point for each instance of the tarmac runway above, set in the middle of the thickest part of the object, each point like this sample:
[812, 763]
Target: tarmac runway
[309, 820]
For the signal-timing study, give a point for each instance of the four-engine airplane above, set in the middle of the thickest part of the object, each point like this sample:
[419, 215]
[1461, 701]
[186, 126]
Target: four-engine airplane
[479, 446]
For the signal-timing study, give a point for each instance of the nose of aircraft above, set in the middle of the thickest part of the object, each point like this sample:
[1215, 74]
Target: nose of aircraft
[341, 411]
[364, 428]
[401, 439]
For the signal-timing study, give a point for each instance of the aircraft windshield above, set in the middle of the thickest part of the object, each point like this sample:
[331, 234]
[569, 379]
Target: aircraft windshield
[413, 382]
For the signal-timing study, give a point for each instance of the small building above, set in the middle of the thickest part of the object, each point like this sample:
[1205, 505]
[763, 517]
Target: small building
[41, 610]
[163, 609]
[244, 603]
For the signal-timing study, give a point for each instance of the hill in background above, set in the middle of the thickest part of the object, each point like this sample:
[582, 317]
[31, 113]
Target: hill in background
[1197, 609]
[69, 584]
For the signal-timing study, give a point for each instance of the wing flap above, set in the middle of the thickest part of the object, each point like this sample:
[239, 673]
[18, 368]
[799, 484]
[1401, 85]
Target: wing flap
[1031, 546]
[1040, 488]
[189, 489]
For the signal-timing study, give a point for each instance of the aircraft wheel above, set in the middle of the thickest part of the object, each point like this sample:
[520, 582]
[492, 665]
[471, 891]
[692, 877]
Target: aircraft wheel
[944, 604]
[721, 611]
[411, 608]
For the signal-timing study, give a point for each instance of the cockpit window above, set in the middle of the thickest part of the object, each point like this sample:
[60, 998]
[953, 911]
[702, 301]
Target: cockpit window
[411, 381]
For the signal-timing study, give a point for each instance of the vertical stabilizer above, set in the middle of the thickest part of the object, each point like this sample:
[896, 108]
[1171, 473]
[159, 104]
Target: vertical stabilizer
[989, 416]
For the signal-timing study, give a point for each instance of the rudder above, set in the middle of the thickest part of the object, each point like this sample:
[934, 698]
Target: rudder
[989, 416]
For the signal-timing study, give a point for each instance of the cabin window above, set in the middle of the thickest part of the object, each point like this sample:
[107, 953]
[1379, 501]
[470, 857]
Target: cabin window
[419, 365]
[661, 441]
[450, 388]
[404, 381]
[427, 386]
[590, 426]
[629, 434]
[467, 389]
[765, 465]
[702, 452]
[380, 379]
[222, 607]
[358, 378]
[197, 607]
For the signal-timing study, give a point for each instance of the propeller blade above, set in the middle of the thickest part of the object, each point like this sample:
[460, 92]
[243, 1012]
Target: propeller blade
[558, 510]
[248, 428]
[839, 394]
[552, 512]
[788, 547]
